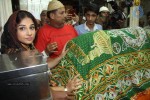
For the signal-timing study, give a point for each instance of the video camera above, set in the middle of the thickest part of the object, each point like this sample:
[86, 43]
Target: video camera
[118, 11]
[117, 17]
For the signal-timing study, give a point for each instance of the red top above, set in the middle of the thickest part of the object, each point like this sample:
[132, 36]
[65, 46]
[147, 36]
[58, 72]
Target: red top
[48, 34]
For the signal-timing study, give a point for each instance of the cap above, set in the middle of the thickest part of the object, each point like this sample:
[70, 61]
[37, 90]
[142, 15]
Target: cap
[103, 8]
[54, 4]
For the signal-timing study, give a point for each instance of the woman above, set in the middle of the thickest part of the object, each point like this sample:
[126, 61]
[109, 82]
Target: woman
[19, 34]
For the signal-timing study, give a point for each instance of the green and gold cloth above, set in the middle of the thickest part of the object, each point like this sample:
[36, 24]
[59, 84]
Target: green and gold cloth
[114, 64]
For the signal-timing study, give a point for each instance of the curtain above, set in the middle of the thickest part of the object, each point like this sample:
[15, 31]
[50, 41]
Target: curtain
[34, 6]
[5, 12]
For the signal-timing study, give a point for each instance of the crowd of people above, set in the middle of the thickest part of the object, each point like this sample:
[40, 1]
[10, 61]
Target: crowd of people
[91, 14]
[50, 35]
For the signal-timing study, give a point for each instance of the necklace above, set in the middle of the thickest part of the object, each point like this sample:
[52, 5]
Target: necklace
[26, 47]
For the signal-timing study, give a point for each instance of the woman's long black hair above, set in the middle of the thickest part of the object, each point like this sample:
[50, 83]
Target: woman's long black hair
[9, 38]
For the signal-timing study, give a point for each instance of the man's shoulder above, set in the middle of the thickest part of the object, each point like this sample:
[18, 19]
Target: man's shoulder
[67, 26]
[44, 30]
[46, 26]
[79, 26]
[98, 25]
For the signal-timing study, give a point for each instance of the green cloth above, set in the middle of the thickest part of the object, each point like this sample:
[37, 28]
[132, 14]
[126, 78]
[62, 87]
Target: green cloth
[114, 64]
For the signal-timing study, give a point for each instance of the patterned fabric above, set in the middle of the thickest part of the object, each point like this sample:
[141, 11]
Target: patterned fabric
[114, 64]
[147, 29]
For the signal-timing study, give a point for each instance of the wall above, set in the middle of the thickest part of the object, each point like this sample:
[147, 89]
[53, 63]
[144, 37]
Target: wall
[34, 6]
[5, 12]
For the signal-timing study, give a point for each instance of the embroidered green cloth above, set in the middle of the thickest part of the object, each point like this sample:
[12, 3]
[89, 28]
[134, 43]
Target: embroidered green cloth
[114, 64]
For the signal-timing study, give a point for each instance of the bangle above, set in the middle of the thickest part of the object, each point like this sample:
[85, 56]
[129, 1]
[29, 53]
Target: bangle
[65, 89]
[44, 54]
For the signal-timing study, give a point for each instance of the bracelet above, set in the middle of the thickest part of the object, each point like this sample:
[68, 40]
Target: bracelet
[65, 89]
[44, 54]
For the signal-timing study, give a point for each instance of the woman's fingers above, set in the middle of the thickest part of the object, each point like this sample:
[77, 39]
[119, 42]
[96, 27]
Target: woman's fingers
[74, 84]
[78, 87]
[64, 51]
[78, 83]
[76, 77]
[70, 96]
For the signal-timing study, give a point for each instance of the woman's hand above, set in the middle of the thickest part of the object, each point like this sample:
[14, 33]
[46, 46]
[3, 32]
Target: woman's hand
[74, 84]
[64, 52]
[62, 95]
[59, 92]
[11, 50]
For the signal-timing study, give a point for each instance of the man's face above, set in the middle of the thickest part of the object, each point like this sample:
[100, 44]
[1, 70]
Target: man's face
[90, 17]
[44, 17]
[104, 14]
[60, 16]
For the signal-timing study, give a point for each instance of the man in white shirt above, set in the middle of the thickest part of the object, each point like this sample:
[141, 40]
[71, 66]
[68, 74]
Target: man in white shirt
[91, 14]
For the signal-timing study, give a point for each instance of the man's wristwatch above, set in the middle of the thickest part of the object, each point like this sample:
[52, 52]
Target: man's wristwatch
[65, 89]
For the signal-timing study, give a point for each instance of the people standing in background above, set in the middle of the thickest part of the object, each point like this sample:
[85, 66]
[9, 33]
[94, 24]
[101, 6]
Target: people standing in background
[91, 14]
[147, 28]
[103, 17]
[44, 19]
[19, 34]
[52, 37]
[71, 18]
[141, 22]
[117, 20]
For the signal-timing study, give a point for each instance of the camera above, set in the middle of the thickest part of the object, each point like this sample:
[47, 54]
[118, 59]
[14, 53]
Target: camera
[72, 12]
[117, 16]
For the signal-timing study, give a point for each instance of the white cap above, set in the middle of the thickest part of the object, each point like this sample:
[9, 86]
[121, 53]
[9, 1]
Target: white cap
[103, 8]
[54, 4]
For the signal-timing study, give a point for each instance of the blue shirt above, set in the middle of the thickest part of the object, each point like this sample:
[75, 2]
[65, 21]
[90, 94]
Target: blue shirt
[82, 29]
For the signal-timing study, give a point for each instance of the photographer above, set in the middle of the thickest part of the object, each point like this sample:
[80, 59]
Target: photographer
[117, 18]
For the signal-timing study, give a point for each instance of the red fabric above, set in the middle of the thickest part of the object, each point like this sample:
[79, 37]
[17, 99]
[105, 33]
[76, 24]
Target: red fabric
[48, 34]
